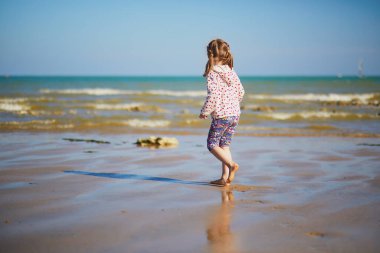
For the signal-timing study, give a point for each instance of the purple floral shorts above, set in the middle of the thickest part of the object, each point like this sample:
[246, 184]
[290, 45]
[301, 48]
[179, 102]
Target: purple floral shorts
[221, 131]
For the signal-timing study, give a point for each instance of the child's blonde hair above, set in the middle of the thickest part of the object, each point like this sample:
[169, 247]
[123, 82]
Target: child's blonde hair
[218, 50]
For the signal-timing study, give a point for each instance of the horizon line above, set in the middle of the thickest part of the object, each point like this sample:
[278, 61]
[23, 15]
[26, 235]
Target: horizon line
[158, 75]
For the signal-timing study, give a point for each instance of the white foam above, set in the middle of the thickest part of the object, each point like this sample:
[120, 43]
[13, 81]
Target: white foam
[146, 123]
[12, 100]
[14, 105]
[37, 124]
[309, 115]
[140, 107]
[65, 126]
[130, 106]
[32, 122]
[305, 115]
[364, 97]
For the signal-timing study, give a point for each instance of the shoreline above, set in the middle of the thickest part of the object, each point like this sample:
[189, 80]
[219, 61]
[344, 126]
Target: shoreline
[146, 132]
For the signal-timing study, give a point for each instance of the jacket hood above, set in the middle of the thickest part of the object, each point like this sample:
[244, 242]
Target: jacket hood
[225, 73]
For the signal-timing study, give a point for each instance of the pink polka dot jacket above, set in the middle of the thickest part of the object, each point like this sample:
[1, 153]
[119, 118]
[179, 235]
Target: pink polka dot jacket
[224, 93]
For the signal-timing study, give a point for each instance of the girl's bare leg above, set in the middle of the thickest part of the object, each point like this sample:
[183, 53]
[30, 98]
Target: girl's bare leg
[225, 169]
[224, 157]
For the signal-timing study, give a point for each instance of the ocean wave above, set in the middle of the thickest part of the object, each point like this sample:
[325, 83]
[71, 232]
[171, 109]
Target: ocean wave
[14, 105]
[146, 123]
[128, 107]
[13, 100]
[317, 115]
[35, 124]
[52, 113]
[103, 91]
[330, 97]
[316, 128]
[194, 123]
[258, 108]
[132, 107]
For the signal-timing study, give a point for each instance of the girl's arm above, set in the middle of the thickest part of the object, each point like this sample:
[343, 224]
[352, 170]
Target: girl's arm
[212, 89]
[241, 90]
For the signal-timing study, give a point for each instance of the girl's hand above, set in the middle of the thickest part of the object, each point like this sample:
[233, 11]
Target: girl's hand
[201, 116]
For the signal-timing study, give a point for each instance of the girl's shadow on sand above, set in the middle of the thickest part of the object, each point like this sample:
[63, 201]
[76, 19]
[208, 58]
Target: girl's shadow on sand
[135, 176]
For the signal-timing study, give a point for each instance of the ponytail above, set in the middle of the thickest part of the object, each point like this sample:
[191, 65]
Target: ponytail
[229, 59]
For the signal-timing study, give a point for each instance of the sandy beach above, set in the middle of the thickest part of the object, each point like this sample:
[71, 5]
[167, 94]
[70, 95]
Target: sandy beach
[302, 194]
[90, 89]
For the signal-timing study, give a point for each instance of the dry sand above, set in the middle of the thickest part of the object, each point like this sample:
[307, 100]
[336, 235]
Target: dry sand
[291, 194]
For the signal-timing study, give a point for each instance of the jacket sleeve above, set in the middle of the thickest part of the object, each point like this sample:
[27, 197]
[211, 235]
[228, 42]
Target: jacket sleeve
[241, 90]
[212, 94]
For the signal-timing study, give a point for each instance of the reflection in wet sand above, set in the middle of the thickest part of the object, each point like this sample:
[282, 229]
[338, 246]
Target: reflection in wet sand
[219, 235]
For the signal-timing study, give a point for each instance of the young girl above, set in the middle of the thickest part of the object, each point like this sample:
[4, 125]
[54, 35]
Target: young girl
[224, 94]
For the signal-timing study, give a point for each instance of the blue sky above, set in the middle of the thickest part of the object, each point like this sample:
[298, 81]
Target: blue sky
[142, 37]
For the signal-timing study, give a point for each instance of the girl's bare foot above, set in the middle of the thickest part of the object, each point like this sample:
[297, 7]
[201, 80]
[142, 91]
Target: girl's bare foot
[233, 170]
[219, 182]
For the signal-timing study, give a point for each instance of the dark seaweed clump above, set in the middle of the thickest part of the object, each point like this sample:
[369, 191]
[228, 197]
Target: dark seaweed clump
[87, 140]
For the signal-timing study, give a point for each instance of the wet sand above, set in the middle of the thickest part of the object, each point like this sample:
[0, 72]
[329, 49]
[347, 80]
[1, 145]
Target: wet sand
[291, 194]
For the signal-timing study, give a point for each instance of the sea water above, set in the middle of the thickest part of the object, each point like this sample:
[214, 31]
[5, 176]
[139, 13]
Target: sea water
[307, 106]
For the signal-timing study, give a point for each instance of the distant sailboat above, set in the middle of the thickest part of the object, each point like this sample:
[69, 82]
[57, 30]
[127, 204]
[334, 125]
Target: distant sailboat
[361, 68]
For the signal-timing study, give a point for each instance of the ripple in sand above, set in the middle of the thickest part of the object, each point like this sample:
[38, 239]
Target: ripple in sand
[296, 164]
[375, 182]
[351, 178]
[244, 188]
[278, 207]
[173, 159]
[253, 201]
[332, 158]
[363, 152]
